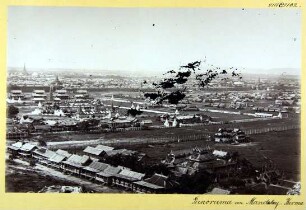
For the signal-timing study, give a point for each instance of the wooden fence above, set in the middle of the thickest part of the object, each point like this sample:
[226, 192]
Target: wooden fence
[271, 129]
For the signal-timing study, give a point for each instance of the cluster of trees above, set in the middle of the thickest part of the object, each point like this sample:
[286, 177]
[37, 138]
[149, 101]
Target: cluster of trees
[135, 163]
[12, 111]
[85, 125]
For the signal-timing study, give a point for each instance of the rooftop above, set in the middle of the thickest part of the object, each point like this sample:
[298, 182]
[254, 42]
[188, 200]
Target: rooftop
[96, 166]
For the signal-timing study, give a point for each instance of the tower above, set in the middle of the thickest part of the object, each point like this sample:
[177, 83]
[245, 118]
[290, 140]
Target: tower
[57, 84]
[174, 124]
[280, 116]
[56, 79]
[137, 107]
[24, 70]
[132, 106]
[112, 106]
[166, 124]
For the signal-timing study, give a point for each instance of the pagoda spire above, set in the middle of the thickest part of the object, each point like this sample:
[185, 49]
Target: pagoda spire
[112, 106]
[24, 69]
[56, 78]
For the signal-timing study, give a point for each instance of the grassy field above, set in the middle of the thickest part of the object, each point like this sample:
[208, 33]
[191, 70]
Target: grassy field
[283, 148]
[160, 133]
[170, 132]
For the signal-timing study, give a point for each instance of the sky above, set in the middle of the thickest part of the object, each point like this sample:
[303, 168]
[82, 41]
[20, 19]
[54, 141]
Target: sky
[139, 40]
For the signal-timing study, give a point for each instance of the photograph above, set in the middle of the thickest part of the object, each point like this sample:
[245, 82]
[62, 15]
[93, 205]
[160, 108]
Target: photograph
[151, 100]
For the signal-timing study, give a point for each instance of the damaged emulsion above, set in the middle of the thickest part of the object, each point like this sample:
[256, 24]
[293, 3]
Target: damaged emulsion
[172, 89]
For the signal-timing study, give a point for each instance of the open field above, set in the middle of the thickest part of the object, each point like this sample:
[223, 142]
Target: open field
[81, 140]
[283, 148]
[168, 132]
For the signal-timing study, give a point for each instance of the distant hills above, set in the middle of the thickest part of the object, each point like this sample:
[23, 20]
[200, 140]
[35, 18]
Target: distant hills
[276, 71]
[252, 71]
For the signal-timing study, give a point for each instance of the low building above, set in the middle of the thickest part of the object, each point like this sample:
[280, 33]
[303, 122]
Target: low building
[146, 123]
[106, 175]
[16, 134]
[27, 149]
[75, 163]
[42, 128]
[43, 155]
[93, 153]
[158, 183]
[104, 148]
[92, 169]
[122, 123]
[97, 152]
[146, 187]
[16, 94]
[65, 124]
[63, 153]
[187, 119]
[39, 96]
[60, 156]
[15, 148]
[125, 178]
[225, 135]
[81, 94]
[61, 94]
[56, 160]
[123, 152]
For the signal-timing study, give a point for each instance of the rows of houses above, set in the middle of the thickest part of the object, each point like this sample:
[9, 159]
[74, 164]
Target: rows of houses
[57, 95]
[50, 123]
[89, 166]
[178, 120]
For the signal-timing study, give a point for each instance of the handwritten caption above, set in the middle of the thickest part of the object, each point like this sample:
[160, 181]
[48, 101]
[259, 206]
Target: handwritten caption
[282, 4]
[254, 201]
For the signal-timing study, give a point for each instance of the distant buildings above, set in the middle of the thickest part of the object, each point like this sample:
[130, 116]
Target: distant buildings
[81, 94]
[39, 96]
[230, 136]
[57, 84]
[61, 94]
[16, 94]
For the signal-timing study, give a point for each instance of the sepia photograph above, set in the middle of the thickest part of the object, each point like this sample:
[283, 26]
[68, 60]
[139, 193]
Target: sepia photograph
[153, 100]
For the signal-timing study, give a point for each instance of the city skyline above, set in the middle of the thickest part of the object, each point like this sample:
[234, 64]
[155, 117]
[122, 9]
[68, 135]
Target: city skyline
[152, 40]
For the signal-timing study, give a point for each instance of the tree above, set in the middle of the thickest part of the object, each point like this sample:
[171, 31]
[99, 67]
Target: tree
[12, 111]
[42, 143]
[32, 162]
[85, 125]
[197, 183]
[133, 112]
[173, 89]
